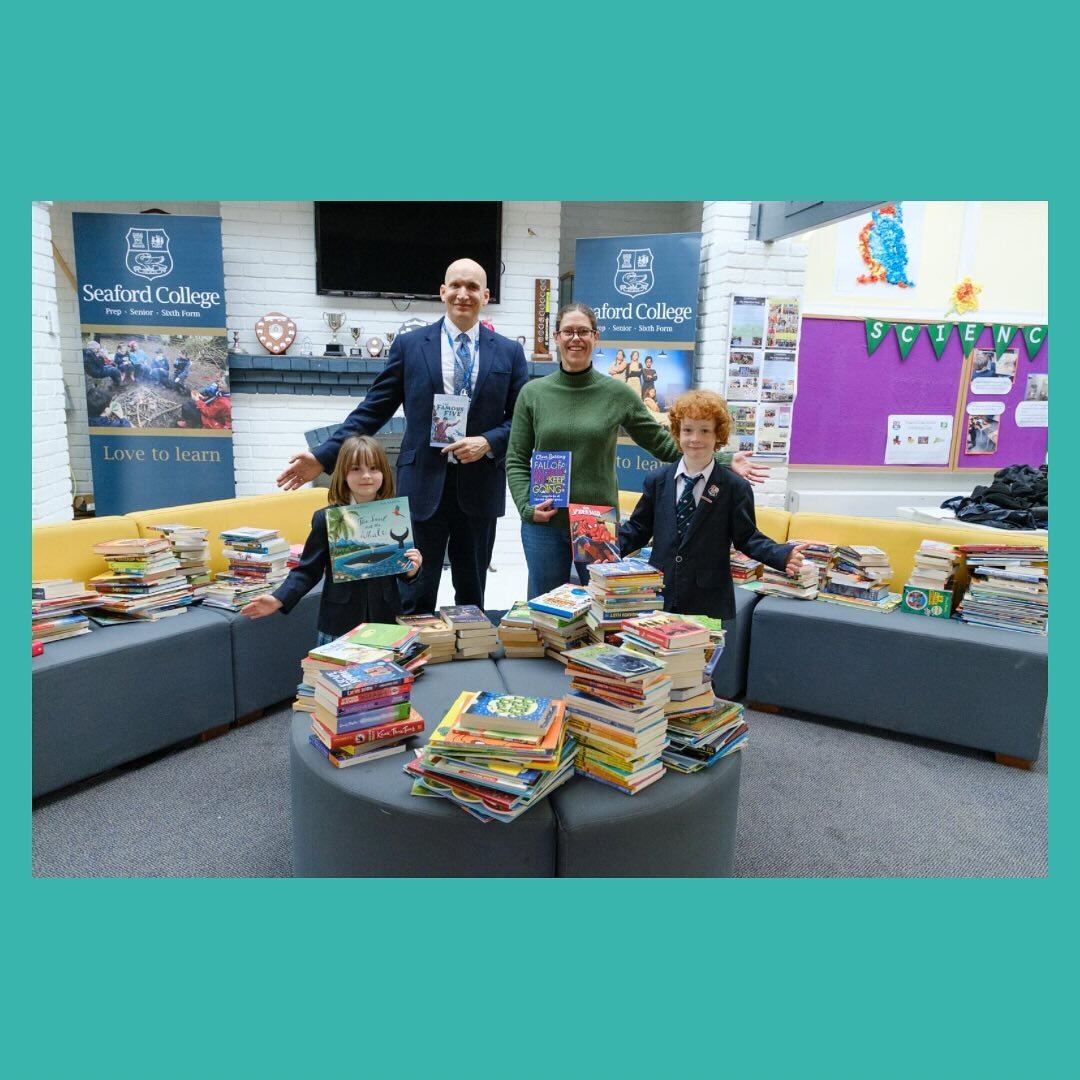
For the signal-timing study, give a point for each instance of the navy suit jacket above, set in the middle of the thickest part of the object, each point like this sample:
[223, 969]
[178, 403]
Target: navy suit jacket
[697, 572]
[412, 377]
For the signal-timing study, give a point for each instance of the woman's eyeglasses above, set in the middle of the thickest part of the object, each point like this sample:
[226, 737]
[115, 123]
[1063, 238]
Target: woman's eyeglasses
[569, 335]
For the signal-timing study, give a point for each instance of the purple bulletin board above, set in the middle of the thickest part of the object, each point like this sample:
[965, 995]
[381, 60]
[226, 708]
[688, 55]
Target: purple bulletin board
[845, 397]
[1015, 445]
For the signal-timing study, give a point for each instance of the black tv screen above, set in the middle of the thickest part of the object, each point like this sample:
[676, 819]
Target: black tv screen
[402, 249]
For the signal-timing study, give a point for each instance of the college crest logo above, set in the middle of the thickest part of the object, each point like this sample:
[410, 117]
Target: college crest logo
[634, 271]
[148, 253]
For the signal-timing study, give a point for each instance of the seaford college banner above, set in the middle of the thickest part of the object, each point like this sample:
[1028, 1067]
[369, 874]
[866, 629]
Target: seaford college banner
[644, 290]
[152, 313]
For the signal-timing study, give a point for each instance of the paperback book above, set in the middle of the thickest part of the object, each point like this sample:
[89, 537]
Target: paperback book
[594, 533]
[549, 477]
[449, 413]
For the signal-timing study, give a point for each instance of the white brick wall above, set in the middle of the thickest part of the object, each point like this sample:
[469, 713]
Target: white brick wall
[49, 458]
[269, 253]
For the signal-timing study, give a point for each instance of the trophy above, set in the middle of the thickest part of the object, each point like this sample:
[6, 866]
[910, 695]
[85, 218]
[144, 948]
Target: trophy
[390, 334]
[236, 341]
[335, 320]
[356, 331]
[375, 347]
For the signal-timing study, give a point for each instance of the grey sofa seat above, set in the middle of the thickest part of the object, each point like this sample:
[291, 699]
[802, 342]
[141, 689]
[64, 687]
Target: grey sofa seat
[936, 678]
[729, 678]
[120, 692]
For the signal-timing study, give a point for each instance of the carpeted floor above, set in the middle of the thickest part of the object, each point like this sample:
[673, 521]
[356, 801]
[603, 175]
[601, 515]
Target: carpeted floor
[818, 799]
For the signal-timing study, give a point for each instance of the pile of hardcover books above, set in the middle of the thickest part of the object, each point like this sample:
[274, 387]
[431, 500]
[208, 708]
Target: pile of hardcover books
[476, 634]
[620, 590]
[257, 559]
[434, 632]
[191, 550]
[699, 740]
[363, 712]
[1009, 589]
[142, 581]
[559, 618]
[517, 632]
[615, 710]
[56, 608]
[401, 642]
[859, 577]
[743, 568]
[330, 657]
[929, 588]
[495, 755]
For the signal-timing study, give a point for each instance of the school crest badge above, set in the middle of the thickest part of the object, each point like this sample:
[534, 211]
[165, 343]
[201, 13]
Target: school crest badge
[148, 254]
[634, 271]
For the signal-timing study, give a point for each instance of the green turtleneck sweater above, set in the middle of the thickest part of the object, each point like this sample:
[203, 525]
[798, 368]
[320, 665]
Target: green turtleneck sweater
[581, 412]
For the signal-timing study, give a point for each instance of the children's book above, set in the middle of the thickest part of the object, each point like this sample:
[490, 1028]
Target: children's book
[369, 540]
[567, 601]
[668, 631]
[610, 660]
[549, 477]
[389, 636]
[515, 713]
[449, 413]
[594, 533]
[366, 678]
[342, 758]
[466, 617]
[344, 653]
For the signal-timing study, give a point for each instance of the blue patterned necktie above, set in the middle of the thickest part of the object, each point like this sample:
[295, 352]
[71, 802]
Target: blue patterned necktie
[463, 365]
[685, 507]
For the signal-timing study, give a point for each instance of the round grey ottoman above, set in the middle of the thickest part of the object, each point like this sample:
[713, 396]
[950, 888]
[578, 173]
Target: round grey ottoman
[363, 822]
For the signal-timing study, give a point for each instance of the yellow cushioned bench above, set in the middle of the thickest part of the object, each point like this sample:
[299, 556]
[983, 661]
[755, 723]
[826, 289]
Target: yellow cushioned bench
[65, 550]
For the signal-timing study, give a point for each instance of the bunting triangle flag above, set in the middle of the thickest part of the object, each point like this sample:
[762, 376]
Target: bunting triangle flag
[1034, 336]
[939, 334]
[876, 332]
[907, 334]
[969, 335]
[1003, 335]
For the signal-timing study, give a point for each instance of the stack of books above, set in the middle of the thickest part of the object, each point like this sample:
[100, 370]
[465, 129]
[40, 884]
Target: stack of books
[559, 618]
[363, 712]
[859, 577]
[680, 644]
[56, 608]
[702, 739]
[295, 551]
[620, 590]
[330, 657]
[819, 554]
[929, 590]
[1009, 589]
[517, 632]
[495, 755]
[476, 634]
[191, 550]
[142, 581]
[743, 568]
[615, 711]
[717, 635]
[801, 586]
[255, 555]
[434, 632]
[401, 642]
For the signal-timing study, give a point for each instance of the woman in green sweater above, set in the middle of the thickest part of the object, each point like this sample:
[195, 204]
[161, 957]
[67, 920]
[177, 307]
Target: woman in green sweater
[578, 409]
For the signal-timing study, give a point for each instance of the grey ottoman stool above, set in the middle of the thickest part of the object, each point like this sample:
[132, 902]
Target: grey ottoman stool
[362, 821]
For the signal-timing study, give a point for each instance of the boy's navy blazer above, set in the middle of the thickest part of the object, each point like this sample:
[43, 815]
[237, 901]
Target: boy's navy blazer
[697, 572]
[411, 377]
[343, 604]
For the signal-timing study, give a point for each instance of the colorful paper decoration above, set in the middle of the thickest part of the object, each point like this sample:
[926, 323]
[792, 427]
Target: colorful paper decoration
[883, 248]
[939, 336]
[907, 334]
[1034, 336]
[965, 297]
[969, 334]
[1002, 335]
[876, 332]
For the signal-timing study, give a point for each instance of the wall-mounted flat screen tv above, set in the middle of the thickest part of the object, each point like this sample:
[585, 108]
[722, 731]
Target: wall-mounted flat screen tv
[401, 250]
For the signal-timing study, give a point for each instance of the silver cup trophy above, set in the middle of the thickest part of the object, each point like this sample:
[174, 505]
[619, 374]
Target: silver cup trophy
[335, 320]
[356, 331]
[390, 334]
